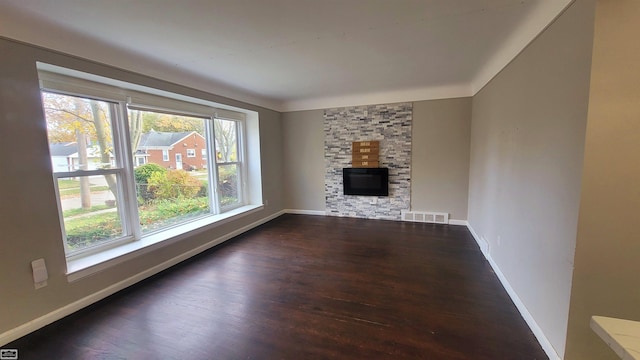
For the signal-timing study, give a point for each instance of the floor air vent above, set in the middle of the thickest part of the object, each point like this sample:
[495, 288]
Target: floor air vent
[428, 217]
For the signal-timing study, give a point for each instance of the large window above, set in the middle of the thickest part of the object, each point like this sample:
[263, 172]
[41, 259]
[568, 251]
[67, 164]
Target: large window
[123, 171]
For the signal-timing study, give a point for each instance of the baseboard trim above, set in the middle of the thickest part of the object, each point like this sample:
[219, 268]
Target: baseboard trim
[526, 315]
[69, 309]
[458, 222]
[324, 213]
[305, 212]
[482, 243]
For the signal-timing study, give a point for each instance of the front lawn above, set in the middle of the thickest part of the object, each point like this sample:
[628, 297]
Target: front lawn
[90, 229]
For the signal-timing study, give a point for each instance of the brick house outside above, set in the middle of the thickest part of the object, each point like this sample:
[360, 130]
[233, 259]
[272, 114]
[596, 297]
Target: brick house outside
[172, 150]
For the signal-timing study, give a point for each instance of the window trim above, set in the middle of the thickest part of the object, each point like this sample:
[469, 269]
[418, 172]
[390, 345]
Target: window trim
[165, 155]
[136, 96]
[192, 152]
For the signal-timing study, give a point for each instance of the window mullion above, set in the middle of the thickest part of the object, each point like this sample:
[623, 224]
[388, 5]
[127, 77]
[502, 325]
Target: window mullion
[212, 167]
[129, 211]
[242, 149]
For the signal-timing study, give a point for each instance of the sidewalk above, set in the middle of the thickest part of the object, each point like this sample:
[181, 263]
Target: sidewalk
[97, 198]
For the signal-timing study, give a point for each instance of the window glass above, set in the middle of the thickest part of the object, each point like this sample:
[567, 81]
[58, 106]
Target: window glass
[86, 168]
[171, 188]
[227, 164]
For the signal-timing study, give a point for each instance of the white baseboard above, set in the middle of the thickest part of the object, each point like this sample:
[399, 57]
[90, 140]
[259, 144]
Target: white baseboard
[482, 243]
[526, 315]
[458, 222]
[69, 309]
[324, 213]
[305, 212]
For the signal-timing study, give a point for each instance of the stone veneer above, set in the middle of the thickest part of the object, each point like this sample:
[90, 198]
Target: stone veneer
[391, 125]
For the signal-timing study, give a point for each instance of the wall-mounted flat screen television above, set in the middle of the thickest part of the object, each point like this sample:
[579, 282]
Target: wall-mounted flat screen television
[366, 181]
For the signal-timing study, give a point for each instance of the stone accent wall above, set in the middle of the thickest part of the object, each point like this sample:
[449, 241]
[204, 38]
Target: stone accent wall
[391, 125]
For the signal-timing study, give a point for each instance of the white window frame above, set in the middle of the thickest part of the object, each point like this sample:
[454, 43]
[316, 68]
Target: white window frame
[62, 83]
[165, 155]
[122, 169]
[191, 153]
[241, 150]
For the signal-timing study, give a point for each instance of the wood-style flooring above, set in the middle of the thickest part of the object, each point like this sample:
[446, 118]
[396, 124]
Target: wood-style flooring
[307, 287]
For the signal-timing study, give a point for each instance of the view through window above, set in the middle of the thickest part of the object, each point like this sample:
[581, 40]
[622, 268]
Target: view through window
[174, 179]
[87, 168]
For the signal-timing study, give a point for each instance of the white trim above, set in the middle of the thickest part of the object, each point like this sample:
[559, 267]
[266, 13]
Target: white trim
[458, 222]
[66, 310]
[482, 243]
[87, 265]
[324, 213]
[384, 97]
[305, 212]
[58, 78]
[526, 315]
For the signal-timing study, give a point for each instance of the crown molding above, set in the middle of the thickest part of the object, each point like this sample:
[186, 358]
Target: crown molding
[382, 97]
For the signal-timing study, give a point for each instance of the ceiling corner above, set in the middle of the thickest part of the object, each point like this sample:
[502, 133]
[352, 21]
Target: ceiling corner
[545, 13]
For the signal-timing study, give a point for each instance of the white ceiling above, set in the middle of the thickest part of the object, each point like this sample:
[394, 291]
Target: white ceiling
[293, 54]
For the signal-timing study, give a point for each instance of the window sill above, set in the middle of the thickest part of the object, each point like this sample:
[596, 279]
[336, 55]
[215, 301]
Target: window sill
[91, 264]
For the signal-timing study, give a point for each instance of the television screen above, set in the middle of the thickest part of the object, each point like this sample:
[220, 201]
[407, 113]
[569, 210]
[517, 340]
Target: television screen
[366, 181]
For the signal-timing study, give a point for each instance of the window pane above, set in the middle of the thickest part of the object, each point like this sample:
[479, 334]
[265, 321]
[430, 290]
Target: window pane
[89, 210]
[226, 141]
[79, 132]
[80, 137]
[172, 185]
[228, 185]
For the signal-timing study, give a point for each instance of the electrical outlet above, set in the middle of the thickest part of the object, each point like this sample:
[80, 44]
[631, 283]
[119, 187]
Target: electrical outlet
[40, 274]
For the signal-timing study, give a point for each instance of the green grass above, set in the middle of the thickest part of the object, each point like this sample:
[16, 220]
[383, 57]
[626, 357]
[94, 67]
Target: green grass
[88, 230]
[67, 184]
[76, 191]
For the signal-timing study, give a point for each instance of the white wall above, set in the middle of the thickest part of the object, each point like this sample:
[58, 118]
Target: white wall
[527, 141]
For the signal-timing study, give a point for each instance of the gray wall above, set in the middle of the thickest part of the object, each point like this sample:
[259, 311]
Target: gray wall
[303, 158]
[28, 210]
[607, 264]
[439, 164]
[527, 142]
[440, 156]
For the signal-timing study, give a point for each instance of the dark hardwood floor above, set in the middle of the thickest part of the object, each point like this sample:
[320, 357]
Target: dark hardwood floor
[307, 287]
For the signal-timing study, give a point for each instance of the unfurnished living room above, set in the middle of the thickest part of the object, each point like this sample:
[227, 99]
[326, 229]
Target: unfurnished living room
[279, 179]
